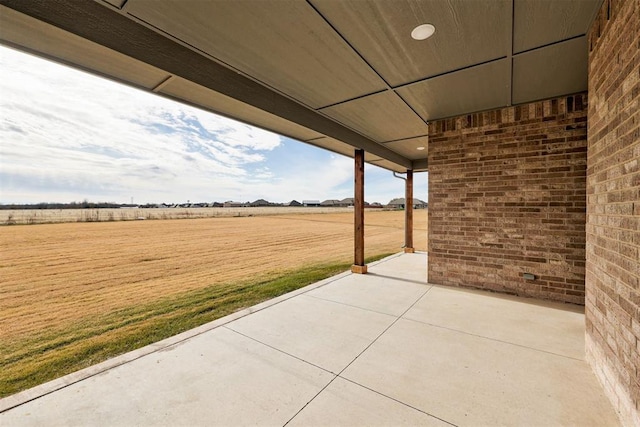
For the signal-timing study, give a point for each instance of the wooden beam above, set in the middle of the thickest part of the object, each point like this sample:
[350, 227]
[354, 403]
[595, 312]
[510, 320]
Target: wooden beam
[420, 165]
[358, 208]
[408, 213]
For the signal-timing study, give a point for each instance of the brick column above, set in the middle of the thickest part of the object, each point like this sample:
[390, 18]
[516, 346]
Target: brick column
[612, 309]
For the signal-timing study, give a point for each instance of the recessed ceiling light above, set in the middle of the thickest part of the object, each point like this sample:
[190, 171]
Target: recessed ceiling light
[420, 148]
[422, 32]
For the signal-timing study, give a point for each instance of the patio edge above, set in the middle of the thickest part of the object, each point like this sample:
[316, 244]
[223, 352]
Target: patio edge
[39, 391]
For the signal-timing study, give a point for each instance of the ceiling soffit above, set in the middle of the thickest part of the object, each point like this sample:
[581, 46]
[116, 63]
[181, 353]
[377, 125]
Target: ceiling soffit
[339, 147]
[543, 73]
[22, 31]
[403, 147]
[285, 44]
[413, 148]
[381, 117]
[474, 89]
[541, 22]
[394, 167]
[467, 33]
[332, 144]
[346, 69]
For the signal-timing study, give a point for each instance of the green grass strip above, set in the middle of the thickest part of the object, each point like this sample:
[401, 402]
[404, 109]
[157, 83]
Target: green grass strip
[52, 354]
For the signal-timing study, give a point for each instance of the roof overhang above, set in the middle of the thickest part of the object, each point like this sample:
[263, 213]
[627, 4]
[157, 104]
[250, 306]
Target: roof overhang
[340, 75]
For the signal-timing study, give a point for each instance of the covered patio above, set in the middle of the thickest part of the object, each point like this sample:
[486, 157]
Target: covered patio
[386, 348]
[525, 113]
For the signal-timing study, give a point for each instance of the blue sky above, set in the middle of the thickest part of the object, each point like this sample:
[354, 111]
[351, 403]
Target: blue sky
[66, 136]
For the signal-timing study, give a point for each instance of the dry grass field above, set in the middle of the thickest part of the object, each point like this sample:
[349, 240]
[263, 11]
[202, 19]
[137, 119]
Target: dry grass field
[48, 216]
[69, 291]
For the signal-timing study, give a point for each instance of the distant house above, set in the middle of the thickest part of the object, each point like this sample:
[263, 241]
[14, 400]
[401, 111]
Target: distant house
[345, 203]
[330, 203]
[230, 204]
[259, 203]
[311, 203]
[375, 205]
[295, 203]
[400, 202]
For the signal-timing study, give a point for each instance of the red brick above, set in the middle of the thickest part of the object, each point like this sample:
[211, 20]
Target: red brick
[521, 203]
[613, 176]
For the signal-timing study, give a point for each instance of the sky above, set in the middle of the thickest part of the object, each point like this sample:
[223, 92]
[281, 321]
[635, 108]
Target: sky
[66, 136]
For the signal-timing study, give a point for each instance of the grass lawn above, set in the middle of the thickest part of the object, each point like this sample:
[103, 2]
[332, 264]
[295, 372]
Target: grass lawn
[50, 354]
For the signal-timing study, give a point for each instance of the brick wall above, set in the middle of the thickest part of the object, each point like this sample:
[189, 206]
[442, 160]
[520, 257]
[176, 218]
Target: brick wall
[507, 196]
[613, 205]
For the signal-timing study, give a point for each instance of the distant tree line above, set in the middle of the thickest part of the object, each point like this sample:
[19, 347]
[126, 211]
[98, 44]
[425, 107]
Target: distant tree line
[394, 203]
[73, 205]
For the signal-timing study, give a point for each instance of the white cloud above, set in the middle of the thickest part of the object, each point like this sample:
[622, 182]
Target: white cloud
[66, 135]
[64, 129]
[316, 178]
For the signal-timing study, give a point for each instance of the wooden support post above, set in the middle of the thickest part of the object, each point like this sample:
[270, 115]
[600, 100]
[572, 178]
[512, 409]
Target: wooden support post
[358, 208]
[408, 214]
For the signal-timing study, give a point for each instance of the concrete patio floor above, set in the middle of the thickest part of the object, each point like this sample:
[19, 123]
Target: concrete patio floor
[384, 348]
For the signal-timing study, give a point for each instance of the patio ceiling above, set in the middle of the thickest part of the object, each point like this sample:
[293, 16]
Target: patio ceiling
[338, 74]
